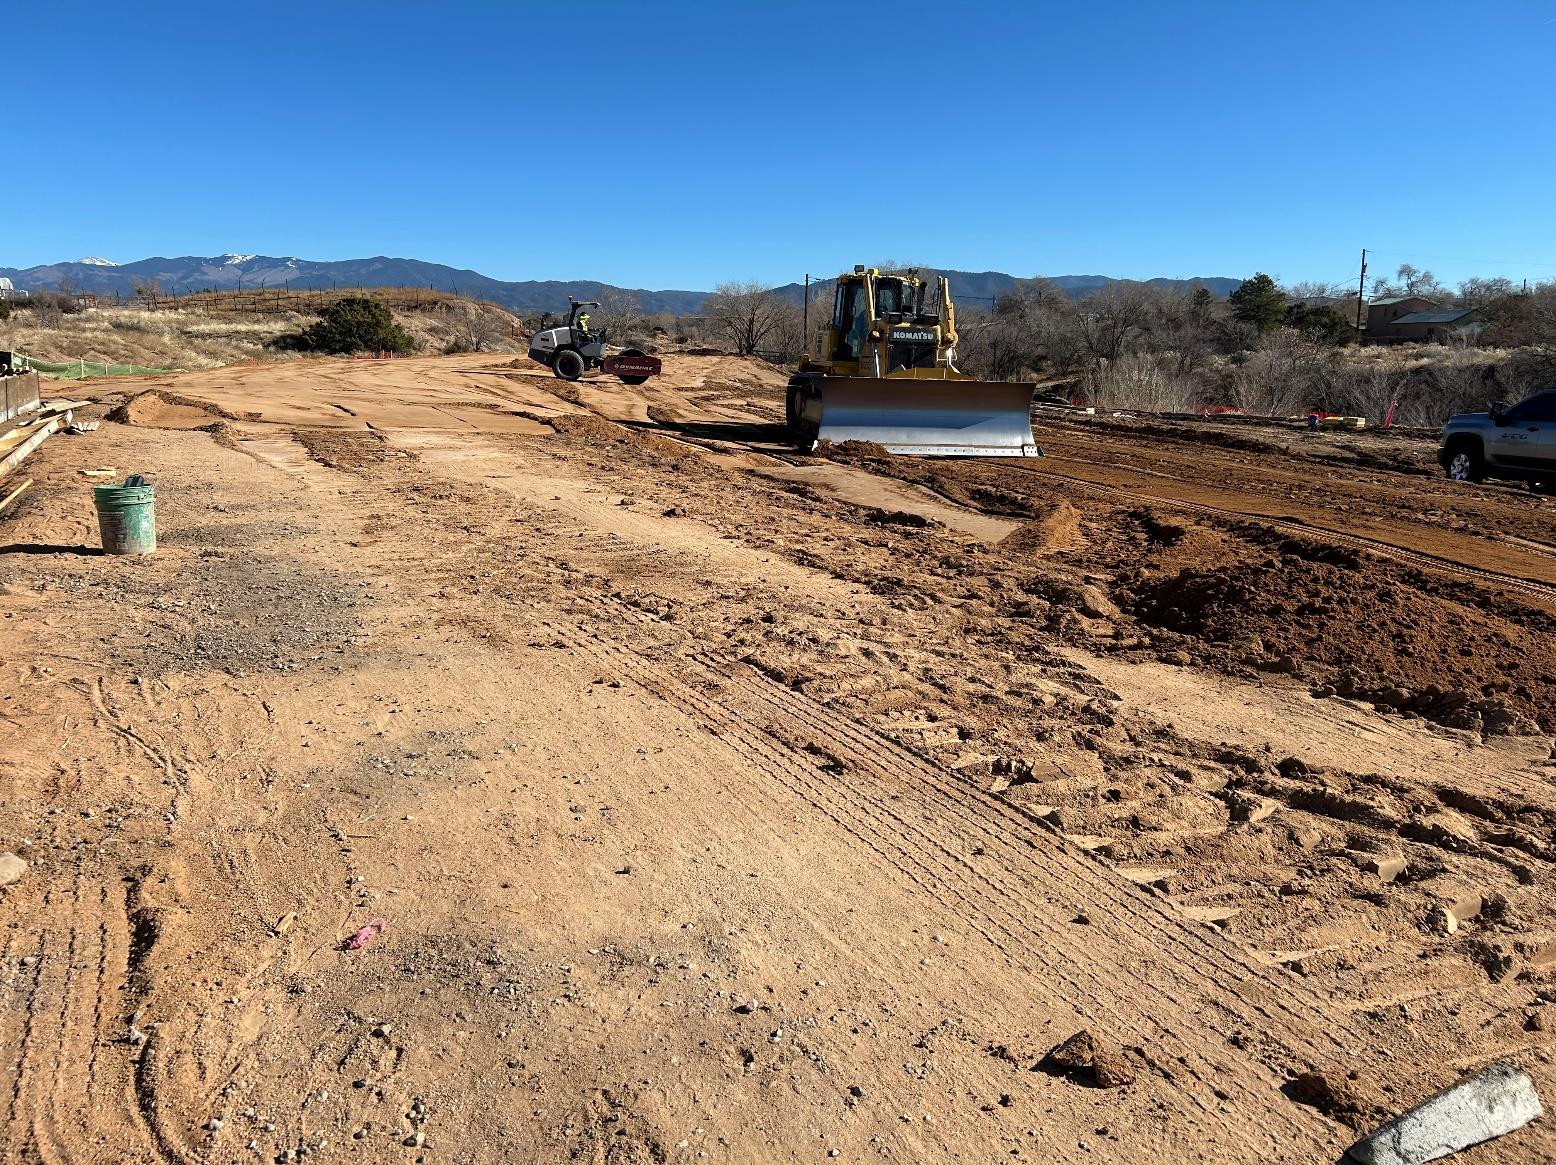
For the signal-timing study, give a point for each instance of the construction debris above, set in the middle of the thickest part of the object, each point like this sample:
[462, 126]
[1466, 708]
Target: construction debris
[1492, 1104]
[366, 935]
[14, 494]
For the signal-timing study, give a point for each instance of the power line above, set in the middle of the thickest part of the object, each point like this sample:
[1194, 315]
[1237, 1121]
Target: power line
[1461, 259]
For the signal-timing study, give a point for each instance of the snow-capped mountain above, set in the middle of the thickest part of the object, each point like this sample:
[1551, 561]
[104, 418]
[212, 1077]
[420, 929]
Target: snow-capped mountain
[233, 271]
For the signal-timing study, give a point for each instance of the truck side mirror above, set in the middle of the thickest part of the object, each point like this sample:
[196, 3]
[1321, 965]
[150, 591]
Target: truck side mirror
[1498, 412]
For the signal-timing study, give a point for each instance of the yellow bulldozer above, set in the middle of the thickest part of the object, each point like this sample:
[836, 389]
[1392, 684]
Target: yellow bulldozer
[884, 371]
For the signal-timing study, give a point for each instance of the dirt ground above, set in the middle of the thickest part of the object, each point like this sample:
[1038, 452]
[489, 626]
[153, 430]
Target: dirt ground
[697, 800]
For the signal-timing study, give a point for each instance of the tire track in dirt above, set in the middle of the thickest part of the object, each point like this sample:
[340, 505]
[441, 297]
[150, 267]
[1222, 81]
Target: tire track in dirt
[63, 1076]
[17, 1021]
[743, 711]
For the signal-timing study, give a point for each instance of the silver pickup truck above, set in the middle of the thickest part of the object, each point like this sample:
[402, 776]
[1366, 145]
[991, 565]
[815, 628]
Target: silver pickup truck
[1518, 443]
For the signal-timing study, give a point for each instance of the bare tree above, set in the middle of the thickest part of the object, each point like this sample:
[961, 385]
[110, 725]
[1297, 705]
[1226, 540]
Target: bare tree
[1287, 372]
[1112, 317]
[619, 315]
[478, 329]
[1477, 291]
[746, 315]
[1318, 289]
[1031, 329]
[1410, 280]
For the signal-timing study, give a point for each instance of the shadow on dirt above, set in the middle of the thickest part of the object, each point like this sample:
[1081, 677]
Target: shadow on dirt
[742, 432]
[50, 548]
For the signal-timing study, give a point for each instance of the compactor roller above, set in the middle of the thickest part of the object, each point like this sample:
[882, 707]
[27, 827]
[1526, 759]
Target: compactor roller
[886, 373]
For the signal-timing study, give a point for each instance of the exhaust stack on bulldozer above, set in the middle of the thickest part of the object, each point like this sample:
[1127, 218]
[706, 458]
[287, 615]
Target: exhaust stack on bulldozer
[885, 372]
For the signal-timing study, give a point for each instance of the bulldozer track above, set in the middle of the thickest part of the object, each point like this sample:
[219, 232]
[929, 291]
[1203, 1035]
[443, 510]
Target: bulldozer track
[1355, 541]
[1302, 529]
[1017, 883]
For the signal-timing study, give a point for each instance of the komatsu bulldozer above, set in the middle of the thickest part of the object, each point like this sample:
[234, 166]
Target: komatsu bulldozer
[884, 370]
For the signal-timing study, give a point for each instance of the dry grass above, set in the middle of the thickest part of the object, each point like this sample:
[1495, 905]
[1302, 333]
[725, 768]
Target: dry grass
[196, 337]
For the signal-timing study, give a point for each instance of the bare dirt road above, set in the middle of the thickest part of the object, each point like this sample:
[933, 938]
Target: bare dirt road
[702, 801]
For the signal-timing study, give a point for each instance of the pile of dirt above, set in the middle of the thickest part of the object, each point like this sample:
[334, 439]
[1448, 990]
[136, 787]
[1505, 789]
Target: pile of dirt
[1366, 629]
[597, 431]
[348, 449]
[851, 451]
[1055, 529]
[161, 410]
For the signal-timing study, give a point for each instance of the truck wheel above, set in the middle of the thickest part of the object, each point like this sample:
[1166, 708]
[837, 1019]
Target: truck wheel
[569, 364]
[1465, 463]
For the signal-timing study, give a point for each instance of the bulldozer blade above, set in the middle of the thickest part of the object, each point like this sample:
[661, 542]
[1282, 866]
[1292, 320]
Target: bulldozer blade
[927, 418]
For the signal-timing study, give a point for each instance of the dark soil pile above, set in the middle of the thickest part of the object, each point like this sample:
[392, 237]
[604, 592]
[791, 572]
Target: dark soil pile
[1457, 655]
[598, 432]
[348, 449]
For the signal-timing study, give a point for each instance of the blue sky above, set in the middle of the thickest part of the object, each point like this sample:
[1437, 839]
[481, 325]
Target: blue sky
[678, 144]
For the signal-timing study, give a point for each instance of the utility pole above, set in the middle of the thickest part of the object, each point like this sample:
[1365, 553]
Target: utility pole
[805, 317]
[1361, 290]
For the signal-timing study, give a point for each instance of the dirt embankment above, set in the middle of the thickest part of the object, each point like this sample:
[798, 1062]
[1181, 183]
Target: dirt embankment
[210, 336]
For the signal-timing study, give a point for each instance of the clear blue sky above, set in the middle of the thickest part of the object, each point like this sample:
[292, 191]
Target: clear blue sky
[677, 144]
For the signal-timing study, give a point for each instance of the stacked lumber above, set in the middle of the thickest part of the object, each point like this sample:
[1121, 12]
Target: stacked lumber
[27, 433]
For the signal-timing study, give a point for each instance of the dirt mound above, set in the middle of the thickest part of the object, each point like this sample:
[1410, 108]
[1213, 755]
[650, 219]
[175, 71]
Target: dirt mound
[851, 450]
[594, 430]
[1370, 630]
[159, 410]
[1052, 531]
[347, 449]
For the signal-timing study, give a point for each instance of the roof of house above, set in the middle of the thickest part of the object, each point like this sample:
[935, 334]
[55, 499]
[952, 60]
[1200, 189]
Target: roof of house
[1445, 315]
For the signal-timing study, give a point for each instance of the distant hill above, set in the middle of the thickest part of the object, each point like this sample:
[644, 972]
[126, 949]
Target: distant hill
[228, 272]
[972, 286]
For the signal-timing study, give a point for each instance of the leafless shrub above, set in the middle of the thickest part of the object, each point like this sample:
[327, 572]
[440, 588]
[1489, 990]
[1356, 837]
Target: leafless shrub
[618, 315]
[47, 313]
[1111, 319]
[1149, 382]
[1284, 375]
[1031, 331]
[747, 316]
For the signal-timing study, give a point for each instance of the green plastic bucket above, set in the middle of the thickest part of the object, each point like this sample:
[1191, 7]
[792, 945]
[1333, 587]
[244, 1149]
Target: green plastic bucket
[127, 517]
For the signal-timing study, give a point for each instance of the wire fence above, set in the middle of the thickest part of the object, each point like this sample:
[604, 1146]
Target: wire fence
[80, 369]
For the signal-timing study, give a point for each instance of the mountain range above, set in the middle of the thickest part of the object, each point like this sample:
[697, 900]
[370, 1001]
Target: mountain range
[236, 271]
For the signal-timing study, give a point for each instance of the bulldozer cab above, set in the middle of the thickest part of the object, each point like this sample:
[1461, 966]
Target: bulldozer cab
[881, 326]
